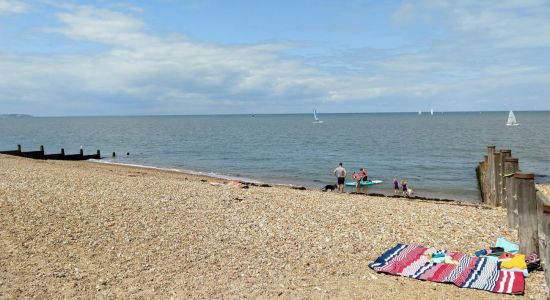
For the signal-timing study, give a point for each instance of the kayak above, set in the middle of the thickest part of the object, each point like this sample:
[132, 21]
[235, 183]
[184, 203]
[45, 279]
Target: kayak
[364, 183]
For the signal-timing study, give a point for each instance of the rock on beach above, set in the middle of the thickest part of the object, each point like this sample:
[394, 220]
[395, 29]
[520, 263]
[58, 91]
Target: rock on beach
[90, 230]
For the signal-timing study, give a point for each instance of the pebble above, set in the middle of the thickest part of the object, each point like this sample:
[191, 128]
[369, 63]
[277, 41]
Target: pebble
[158, 235]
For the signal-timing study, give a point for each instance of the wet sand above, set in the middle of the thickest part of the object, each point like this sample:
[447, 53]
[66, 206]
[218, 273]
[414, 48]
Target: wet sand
[89, 230]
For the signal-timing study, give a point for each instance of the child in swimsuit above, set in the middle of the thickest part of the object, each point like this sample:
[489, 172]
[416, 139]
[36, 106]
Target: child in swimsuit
[357, 179]
[395, 186]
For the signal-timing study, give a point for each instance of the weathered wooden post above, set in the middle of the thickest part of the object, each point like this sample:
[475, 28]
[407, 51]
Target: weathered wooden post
[491, 175]
[62, 152]
[511, 166]
[496, 167]
[19, 148]
[480, 173]
[504, 153]
[543, 208]
[81, 152]
[484, 177]
[41, 155]
[98, 154]
[527, 213]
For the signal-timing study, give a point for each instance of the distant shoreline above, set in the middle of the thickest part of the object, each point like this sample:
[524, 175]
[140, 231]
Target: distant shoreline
[15, 116]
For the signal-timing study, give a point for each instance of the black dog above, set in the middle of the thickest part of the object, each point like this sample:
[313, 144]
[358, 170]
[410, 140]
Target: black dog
[327, 187]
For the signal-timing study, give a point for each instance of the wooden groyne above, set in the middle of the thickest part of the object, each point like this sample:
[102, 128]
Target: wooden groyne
[502, 183]
[40, 154]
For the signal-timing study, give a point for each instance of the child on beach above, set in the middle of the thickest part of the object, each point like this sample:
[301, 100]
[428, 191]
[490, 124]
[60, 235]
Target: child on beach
[395, 186]
[355, 176]
[404, 187]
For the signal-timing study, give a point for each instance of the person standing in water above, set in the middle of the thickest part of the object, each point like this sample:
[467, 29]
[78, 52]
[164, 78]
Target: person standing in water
[340, 173]
[364, 174]
[404, 187]
[355, 176]
[395, 186]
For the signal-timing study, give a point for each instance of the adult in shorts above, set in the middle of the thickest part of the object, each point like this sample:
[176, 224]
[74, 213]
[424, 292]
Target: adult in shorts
[340, 173]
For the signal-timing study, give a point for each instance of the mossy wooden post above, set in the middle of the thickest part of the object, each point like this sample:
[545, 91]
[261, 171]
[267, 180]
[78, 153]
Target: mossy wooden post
[543, 210]
[484, 177]
[490, 199]
[504, 153]
[511, 166]
[527, 213]
[480, 173]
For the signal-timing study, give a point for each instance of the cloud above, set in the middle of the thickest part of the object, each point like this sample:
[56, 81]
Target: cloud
[12, 6]
[158, 71]
[102, 26]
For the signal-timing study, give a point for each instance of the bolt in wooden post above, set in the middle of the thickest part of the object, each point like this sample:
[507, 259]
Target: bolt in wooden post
[527, 213]
[18, 147]
[511, 166]
[504, 153]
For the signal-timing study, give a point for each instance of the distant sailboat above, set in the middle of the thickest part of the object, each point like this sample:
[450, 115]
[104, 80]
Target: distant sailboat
[432, 111]
[512, 119]
[315, 117]
[419, 112]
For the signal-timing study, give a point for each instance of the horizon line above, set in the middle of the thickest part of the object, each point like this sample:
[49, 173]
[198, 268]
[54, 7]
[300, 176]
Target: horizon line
[20, 115]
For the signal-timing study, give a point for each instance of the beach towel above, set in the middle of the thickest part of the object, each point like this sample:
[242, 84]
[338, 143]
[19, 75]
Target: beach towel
[470, 272]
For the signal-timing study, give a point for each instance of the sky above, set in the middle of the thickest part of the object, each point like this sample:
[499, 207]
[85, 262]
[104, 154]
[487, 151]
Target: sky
[167, 57]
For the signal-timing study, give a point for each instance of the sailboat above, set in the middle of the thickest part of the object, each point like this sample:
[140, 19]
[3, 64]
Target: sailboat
[419, 112]
[315, 117]
[512, 119]
[432, 111]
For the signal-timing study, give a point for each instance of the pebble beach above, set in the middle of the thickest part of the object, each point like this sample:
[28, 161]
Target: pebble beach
[90, 230]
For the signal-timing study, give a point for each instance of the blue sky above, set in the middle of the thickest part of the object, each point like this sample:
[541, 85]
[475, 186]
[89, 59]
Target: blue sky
[211, 57]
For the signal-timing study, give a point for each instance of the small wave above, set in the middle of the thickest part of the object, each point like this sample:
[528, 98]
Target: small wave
[183, 171]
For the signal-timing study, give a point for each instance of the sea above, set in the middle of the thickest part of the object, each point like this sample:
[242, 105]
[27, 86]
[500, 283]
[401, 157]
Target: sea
[437, 154]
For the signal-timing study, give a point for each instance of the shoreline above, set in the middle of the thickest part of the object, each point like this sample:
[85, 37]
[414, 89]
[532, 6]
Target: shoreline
[213, 175]
[89, 230]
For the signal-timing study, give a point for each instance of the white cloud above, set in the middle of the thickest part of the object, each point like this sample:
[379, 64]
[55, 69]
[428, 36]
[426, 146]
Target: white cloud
[156, 70]
[103, 26]
[12, 6]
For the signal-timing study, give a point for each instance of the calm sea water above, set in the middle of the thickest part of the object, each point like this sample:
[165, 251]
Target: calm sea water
[436, 154]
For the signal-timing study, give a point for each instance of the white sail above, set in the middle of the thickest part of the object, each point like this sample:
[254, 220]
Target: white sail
[315, 117]
[512, 119]
[432, 111]
[419, 112]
